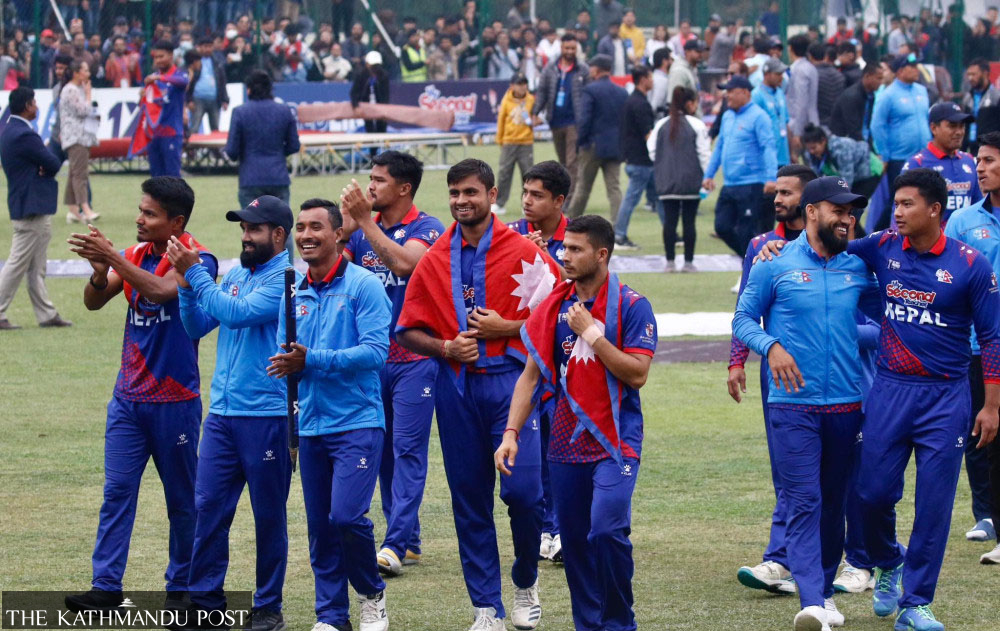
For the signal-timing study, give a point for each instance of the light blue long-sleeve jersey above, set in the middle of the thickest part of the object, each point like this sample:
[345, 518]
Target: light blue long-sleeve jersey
[772, 101]
[809, 305]
[977, 225]
[245, 308]
[343, 321]
[900, 117]
[745, 148]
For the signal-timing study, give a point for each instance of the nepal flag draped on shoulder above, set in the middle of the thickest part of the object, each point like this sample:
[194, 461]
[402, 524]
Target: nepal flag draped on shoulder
[593, 393]
[147, 120]
[511, 275]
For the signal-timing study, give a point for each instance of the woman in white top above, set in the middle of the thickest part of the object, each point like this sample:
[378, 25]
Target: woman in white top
[680, 149]
[77, 136]
[658, 41]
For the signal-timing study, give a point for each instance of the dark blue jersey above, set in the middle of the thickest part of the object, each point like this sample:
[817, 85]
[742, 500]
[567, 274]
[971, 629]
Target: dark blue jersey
[554, 245]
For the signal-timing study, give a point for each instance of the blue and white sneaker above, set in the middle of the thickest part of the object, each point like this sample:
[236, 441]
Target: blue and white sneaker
[769, 576]
[917, 619]
[982, 531]
[888, 589]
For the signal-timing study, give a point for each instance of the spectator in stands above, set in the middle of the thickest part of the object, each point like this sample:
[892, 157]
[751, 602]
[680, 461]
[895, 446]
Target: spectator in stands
[46, 57]
[335, 66]
[983, 102]
[354, 48]
[519, 14]
[770, 20]
[558, 97]
[847, 55]
[635, 41]
[262, 133]
[390, 63]
[981, 44]
[831, 82]
[659, 96]
[680, 39]
[613, 46]
[722, 48]
[803, 87]
[502, 61]
[658, 41]
[240, 60]
[118, 29]
[413, 59]
[549, 48]
[599, 129]
[684, 71]
[761, 53]
[842, 34]
[637, 121]
[206, 91]
[515, 136]
[97, 75]
[343, 15]
[852, 112]
[122, 67]
[77, 137]
[13, 70]
[897, 36]
[835, 155]
[530, 61]
[295, 57]
[680, 149]
[371, 86]
[606, 12]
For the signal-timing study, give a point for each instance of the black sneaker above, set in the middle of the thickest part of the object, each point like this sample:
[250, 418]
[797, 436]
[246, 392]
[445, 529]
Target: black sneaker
[94, 600]
[266, 620]
[624, 243]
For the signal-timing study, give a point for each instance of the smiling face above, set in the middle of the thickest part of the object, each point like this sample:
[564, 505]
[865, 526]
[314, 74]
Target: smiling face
[315, 237]
[832, 222]
[260, 241]
[912, 212]
[470, 201]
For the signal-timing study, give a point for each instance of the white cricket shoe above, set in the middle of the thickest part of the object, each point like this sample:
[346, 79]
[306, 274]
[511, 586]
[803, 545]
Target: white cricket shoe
[992, 557]
[486, 620]
[811, 618]
[555, 552]
[736, 288]
[527, 609]
[373, 614]
[853, 580]
[389, 563]
[833, 616]
[323, 626]
[769, 575]
[545, 549]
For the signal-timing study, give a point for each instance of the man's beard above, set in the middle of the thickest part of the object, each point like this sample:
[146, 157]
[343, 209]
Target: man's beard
[260, 253]
[833, 244]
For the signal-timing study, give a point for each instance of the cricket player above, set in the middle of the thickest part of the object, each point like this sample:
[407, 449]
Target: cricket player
[245, 439]
[342, 321]
[808, 298]
[155, 410]
[390, 245]
[161, 124]
[591, 343]
[465, 304]
[933, 290]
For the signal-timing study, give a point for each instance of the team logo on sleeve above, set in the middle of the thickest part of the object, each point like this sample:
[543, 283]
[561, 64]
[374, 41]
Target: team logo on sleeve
[234, 290]
[801, 277]
[399, 234]
[943, 276]
[649, 329]
[433, 235]
[981, 233]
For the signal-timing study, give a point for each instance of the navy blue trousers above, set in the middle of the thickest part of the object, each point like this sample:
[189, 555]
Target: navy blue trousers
[167, 432]
[164, 155]
[471, 429]
[550, 523]
[240, 451]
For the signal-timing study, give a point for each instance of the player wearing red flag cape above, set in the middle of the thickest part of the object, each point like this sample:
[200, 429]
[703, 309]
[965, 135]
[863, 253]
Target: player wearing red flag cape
[464, 305]
[160, 129]
[590, 343]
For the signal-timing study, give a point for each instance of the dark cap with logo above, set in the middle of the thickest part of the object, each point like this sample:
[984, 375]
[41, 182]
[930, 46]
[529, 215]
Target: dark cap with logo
[694, 44]
[948, 111]
[265, 209]
[831, 189]
[902, 61]
[737, 81]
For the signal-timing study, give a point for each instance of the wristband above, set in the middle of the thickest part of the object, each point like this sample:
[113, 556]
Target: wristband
[444, 348]
[517, 434]
[95, 286]
[591, 334]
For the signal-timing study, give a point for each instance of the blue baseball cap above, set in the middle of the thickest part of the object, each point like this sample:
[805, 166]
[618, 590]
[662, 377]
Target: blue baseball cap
[901, 61]
[737, 81]
[265, 209]
[831, 189]
[948, 111]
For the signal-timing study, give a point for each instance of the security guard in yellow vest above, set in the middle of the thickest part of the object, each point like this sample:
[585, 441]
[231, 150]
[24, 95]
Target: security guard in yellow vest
[413, 59]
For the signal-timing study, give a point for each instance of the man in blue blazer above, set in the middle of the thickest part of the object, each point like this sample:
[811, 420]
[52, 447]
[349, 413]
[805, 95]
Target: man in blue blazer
[32, 197]
[598, 129]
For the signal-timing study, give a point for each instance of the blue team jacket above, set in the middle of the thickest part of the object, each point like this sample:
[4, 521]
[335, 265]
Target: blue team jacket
[344, 322]
[746, 148]
[976, 225]
[809, 304]
[245, 308]
[899, 121]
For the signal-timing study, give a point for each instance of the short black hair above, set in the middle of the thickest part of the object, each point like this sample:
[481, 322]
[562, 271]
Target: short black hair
[599, 232]
[817, 50]
[402, 167]
[762, 45]
[553, 176]
[871, 69]
[800, 171]
[640, 72]
[568, 37]
[846, 47]
[19, 99]
[799, 45]
[172, 194]
[163, 45]
[982, 63]
[191, 57]
[660, 55]
[259, 86]
[472, 166]
[813, 133]
[931, 186]
[336, 219]
[205, 41]
[990, 139]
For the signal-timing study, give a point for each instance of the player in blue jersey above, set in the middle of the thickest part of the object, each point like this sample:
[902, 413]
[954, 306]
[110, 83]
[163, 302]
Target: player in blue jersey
[544, 191]
[942, 154]
[165, 88]
[933, 290]
[155, 410]
[390, 245]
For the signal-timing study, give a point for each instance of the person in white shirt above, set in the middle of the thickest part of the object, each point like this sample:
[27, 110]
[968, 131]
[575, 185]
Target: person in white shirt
[549, 48]
[683, 36]
[658, 41]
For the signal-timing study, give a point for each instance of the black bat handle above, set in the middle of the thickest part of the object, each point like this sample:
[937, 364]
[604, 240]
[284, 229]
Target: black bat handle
[291, 382]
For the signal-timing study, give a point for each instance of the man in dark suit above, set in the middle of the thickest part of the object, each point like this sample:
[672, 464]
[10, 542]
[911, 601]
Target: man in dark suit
[598, 132]
[32, 197]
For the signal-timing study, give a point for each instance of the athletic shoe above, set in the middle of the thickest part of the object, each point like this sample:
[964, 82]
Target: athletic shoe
[388, 563]
[545, 547]
[373, 615]
[982, 531]
[769, 575]
[486, 620]
[323, 626]
[266, 620]
[527, 609]
[7, 325]
[555, 552]
[94, 600]
[853, 580]
[498, 210]
[833, 616]
[736, 288]
[689, 268]
[811, 618]
[917, 619]
[888, 589]
[177, 601]
[992, 557]
[411, 558]
[671, 267]
[624, 243]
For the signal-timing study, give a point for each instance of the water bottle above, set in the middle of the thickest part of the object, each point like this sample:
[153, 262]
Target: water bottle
[703, 193]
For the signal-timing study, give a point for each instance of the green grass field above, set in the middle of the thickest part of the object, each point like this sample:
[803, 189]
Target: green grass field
[701, 507]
